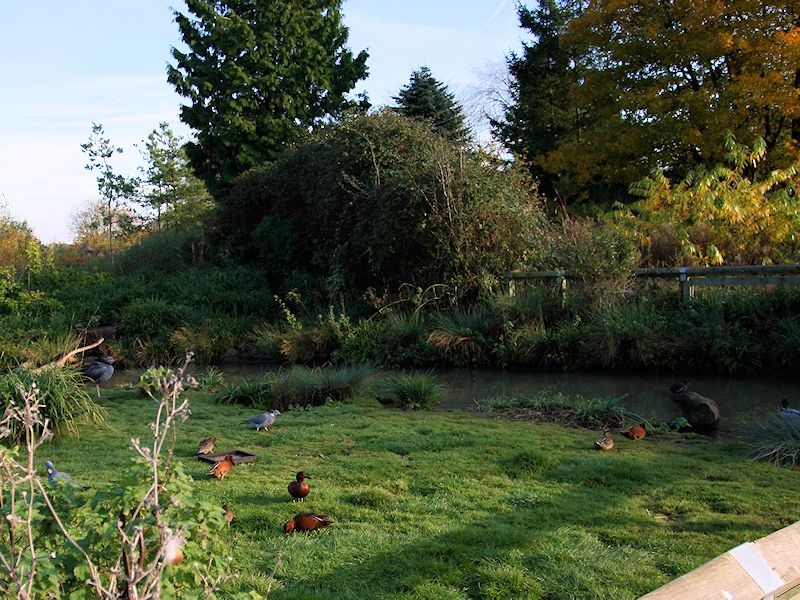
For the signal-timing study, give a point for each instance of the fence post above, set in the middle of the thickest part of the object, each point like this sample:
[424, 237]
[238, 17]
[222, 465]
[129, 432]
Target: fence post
[687, 291]
[561, 284]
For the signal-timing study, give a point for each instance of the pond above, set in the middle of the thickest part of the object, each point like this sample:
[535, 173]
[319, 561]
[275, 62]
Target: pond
[743, 401]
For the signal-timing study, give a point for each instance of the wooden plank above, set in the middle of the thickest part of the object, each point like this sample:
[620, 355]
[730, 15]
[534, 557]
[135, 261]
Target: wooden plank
[725, 577]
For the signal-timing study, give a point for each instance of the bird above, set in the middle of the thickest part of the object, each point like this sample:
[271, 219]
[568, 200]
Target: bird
[605, 441]
[55, 476]
[100, 371]
[227, 513]
[306, 521]
[222, 468]
[264, 420]
[636, 432]
[206, 446]
[299, 489]
[790, 414]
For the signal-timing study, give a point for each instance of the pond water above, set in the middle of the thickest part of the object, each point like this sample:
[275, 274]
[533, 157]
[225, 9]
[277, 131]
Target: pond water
[743, 401]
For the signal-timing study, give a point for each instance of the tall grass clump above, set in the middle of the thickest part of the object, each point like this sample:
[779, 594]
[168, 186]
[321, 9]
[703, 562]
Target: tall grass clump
[393, 340]
[299, 386]
[66, 404]
[777, 441]
[593, 412]
[416, 391]
[460, 335]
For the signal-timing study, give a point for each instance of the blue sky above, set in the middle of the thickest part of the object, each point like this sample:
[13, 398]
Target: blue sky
[65, 65]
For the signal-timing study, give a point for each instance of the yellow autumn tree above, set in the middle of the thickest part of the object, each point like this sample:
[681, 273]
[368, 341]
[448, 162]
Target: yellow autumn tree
[719, 215]
[666, 78]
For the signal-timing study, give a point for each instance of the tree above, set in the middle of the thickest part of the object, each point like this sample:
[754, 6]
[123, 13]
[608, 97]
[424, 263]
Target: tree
[541, 111]
[169, 185]
[257, 73]
[111, 185]
[427, 99]
[668, 78]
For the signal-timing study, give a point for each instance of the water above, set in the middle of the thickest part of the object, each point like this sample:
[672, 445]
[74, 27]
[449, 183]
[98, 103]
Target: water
[743, 401]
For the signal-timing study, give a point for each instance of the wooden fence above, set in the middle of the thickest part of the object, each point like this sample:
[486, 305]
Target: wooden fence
[688, 277]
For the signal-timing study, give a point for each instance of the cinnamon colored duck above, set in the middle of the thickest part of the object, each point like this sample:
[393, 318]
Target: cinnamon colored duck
[636, 432]
[227, 513]
[605, 441]
[306, 521]
[298, 489]
[222, 468]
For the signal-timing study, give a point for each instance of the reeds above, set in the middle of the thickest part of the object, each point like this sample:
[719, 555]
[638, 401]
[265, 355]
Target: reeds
[414, 391]
[778, 441]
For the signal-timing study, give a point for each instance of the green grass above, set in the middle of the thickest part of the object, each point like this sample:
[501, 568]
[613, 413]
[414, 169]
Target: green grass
[451, 505]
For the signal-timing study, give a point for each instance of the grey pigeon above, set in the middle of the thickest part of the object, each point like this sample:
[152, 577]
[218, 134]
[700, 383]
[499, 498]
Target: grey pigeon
[54, 476]
[100, 371]
[264, 420]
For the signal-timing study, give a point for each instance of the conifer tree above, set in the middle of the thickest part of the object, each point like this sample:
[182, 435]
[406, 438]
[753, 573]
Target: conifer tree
[427, 99]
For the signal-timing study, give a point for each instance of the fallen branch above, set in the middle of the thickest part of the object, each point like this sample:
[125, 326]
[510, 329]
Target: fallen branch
[66, 358]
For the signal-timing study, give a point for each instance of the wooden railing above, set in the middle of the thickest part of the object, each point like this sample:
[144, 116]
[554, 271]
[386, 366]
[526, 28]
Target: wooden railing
[688, 277]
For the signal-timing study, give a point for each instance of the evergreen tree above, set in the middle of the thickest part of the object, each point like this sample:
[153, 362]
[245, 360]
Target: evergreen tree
[257, 73]
[542, 112]
[427, 99]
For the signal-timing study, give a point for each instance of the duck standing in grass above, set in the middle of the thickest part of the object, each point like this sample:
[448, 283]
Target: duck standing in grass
[227, 513]
[206, 446]
[792, 415]
[264, 420]
[306, 521]
[100, 371]
[636, 432]
[605, 441]
[222, 468]
[298, 489]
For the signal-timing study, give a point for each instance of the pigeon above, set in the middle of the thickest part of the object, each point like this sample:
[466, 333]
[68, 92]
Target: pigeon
[264, 420]
[100, 371]
[206, 446]
[791, 415]
[299, 489]
[55, 477]
[222, 468]
[306, 522]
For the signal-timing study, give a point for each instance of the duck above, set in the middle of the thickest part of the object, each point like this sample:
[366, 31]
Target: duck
[264, 420]
[636, 432]
[227, 513]
[306, 521]
[222, 468]
[206, 446]
[605, 441]
[299, 489]
[790, 414]
[100, 371]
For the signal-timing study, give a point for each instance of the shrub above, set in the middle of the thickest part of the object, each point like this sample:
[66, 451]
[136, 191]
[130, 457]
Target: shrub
[778, 442]
[603, 412]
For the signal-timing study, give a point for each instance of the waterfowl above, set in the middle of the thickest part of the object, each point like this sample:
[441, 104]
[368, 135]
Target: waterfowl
[206, 446]
[636, 432]
[306, 522]
[227, 513]
[299, 489]
[100, 371]
[222, 468]
[604, 442]
[264, 420]
[790, 414]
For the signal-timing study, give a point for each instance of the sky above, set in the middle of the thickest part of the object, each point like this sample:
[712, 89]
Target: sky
[66, 65]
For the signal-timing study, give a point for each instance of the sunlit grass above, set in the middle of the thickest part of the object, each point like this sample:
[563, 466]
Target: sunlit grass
[446, 504]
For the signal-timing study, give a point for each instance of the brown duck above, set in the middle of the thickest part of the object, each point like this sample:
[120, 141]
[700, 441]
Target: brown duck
[227, 513]
[206, 446]
[636, 432]
[306, 521]
[299, 489]
[222, 468]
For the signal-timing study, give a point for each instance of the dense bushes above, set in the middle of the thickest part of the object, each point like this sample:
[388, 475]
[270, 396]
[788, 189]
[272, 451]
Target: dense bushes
[378, 201]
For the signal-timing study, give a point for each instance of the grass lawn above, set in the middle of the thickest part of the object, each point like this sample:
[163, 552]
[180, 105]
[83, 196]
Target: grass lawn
[451, 505]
